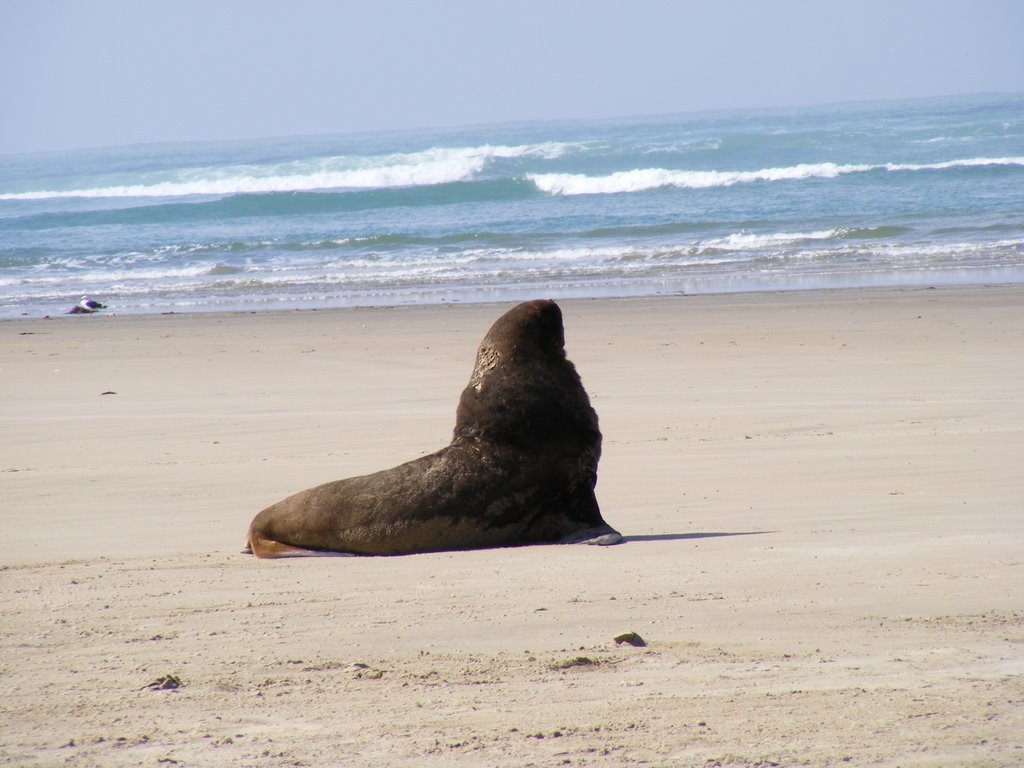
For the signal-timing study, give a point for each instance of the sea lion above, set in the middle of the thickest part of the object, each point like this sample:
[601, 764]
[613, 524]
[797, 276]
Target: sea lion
[520, 469]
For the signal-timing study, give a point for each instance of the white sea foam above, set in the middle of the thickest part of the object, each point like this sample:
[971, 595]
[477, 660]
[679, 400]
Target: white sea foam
[747, 241]
[442, 165]
[683, 146]
[652, 178]
[642, 179]
[439, 165]
[970, 163]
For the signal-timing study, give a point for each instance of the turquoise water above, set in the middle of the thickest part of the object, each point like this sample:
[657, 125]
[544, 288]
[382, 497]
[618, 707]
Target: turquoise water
[893, 193]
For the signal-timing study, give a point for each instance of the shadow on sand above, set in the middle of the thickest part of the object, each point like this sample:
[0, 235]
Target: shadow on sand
[683, 536]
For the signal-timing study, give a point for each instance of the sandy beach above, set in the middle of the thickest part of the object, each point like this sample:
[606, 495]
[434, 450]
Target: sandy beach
[822, 494]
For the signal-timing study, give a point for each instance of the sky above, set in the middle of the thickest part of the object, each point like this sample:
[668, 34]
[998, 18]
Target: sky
[84, 73]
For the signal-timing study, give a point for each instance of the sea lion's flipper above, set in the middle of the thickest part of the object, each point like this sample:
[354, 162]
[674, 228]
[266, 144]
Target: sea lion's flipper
[602, 535]
[268, 548]
[604, 540]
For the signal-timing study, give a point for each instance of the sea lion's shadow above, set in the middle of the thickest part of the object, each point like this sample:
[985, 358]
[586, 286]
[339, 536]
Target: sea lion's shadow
[684, 536]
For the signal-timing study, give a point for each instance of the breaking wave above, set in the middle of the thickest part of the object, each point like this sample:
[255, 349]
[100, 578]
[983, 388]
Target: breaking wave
[642, 179]
[439, 165]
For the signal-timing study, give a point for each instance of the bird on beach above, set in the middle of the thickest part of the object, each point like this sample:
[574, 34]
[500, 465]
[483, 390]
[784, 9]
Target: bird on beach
[86, 306]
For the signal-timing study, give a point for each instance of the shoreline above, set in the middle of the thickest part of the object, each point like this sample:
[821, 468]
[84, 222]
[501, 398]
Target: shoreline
[820, 490]
[526, 295]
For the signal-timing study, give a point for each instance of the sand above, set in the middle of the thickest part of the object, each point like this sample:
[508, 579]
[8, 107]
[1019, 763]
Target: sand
[823, 494]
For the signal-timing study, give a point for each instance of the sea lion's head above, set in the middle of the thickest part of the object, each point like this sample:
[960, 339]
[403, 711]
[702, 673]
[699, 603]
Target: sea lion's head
[527, 335]
[523, 388]
[529, 331]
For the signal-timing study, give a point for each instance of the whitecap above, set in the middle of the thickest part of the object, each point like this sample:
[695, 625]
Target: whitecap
[974, 162]
[643, 179]
[745, 240]
[437, 165]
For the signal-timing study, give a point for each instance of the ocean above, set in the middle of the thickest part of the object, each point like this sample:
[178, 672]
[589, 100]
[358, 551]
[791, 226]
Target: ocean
[896, 193]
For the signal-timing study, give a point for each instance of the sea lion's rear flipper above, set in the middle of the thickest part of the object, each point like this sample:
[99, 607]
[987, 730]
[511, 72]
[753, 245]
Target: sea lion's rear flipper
[268, 548]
